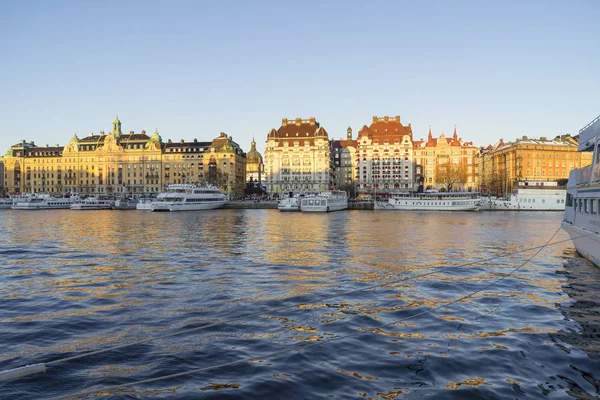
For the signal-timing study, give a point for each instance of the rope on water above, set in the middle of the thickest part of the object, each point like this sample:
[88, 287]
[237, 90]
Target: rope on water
[307, 345]
[5, 376]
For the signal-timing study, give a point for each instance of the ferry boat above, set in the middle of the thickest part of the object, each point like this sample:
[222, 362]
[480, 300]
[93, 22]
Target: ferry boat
[290, 203]
[529, 199]
[327, 201]
[44, 202]
[92, 203]
[430, 200]
[185, 197]
[582, 210]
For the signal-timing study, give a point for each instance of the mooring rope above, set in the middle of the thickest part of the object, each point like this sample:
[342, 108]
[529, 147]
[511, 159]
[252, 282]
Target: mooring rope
[41, 367]
[307, 345]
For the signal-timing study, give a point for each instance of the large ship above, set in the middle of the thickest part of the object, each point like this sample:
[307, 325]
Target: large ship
[327, 201]
[582, 209]
[540, 198]
[185, 197]
[430, 200]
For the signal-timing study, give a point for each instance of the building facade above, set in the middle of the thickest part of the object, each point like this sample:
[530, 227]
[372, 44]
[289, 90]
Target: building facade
[118, 164]
[384, 157]
[255, 168]
[536, 162]
[344, 163]
[448, 163]
[298, 157]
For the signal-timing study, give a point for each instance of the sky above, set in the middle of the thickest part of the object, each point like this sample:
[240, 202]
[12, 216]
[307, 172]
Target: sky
[193, 69]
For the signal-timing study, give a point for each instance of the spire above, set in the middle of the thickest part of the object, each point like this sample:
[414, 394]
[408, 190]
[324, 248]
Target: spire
[429, 136]
[156, 136]
[349, 133]
[116, 127]
[455, 136]
[253, 144]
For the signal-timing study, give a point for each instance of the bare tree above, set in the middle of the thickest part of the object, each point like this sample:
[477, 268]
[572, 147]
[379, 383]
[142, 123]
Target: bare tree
[450, 176]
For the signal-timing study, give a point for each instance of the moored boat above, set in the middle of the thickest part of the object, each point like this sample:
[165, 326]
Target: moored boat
[92, 203]
[125, 203]
[582, 209]
[6, 203]
[530, 199]
[185, 197]
[44, 202]
[327, 201]
[430, 201]
[291, 202]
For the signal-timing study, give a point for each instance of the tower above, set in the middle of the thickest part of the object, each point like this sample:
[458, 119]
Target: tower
[116, 127]
[349, 133]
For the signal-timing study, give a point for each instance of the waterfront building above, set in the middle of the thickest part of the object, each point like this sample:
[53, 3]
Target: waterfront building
[448, 163]
[298, 157]
[531, 162]
[255, 167]
[120, 164]
[384, 156]
[224, 165]
[344, 163]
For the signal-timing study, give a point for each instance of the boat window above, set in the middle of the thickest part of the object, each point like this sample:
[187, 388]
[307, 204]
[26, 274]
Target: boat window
[585, 206]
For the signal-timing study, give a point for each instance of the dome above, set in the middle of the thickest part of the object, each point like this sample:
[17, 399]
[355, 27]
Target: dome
[253, 156]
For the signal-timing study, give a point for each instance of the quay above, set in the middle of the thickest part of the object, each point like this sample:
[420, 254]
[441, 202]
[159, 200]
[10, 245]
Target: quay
[265, 205]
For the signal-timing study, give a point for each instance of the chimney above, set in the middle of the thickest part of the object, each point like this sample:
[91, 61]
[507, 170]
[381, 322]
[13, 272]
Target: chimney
[131, 132]
[230, 138]
[374, 118]
[312, 120]
[397, 118]
[524, 137]
[543, 138]
[143, 132]
[182, 142]
[222, 134]
[386, 118]
[298, 121]
[284, 122]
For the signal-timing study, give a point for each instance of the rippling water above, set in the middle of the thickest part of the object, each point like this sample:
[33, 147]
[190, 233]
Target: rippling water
[73, 282]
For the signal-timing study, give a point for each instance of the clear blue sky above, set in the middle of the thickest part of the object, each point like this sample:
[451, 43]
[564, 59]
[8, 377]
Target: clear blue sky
[192, 69]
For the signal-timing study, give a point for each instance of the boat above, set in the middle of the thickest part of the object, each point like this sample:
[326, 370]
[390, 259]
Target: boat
[6, 202]
[92, 203]
[291, 202]
[540, 198]
[327, 201]
[125, 203]
[144, 203]
[186, 197]
[44, 202]
[582, 208]
[430, 200]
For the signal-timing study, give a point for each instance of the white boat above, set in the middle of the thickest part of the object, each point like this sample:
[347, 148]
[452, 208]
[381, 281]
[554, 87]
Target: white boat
[582, 210]
[431, 200]
[290, 203]
[530, 199]
[144, 203]
[330, 200]
[92, 203]
[184, 197]
[44, 202]
[6, 202]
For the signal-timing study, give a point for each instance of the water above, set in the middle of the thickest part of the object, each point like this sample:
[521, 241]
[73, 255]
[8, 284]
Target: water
[73, 282]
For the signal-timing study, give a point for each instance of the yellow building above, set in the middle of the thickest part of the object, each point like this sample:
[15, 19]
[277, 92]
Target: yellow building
[298, 157]
[531, 162]
[447, 163]
[121, 164]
